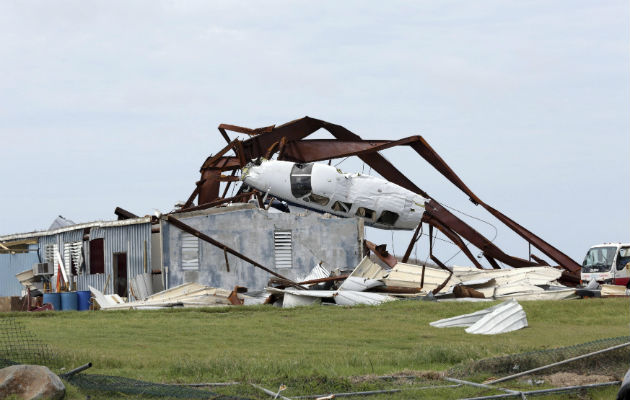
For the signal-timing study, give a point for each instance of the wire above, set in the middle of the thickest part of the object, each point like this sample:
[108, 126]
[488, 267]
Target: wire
[496, 232]
[473, 217]
[341, 161]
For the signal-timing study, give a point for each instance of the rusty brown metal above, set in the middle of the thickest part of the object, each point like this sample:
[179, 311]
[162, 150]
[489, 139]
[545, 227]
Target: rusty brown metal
[229, 178]
[209, 189]
[124, 214]
[412, 243]
[227, 185]
[438, 163]
[227, 263]
[193, 195]
[347, 143]
[446, 230]
[438, 213]
[189, 229]
[381, 252]
[438, 262]
[233, 297]
[539, 260]
[325, 149]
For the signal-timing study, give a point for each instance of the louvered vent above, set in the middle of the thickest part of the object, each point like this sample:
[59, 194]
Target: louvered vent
[50, 253]
[190, 251]
[72, 257]
[283, 251]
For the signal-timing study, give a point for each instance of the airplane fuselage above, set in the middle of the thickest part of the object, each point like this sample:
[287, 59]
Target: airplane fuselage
[325, 189]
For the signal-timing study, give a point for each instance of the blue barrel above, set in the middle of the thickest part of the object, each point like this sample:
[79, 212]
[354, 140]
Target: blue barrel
[54, 299]
[69, 301]
[84, 299]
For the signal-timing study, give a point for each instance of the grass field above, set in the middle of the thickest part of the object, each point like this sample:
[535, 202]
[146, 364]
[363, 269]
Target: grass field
[312, 350]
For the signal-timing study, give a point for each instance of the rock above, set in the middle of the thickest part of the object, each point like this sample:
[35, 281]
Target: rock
[30, 382]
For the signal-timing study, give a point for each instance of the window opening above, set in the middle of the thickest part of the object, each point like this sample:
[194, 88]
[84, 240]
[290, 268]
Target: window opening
[341, 206]
[388, 218]
[301, 179]
[365, 213]
[317, 199]
[623, 258]
[97, 256]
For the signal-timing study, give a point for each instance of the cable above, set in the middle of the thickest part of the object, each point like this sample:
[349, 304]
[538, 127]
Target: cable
[341, 161]
[496, 232]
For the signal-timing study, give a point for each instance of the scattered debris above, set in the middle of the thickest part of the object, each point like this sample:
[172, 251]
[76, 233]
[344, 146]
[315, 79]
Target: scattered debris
[186, 295]
[613, 291]
[505, 317]
[573, 379]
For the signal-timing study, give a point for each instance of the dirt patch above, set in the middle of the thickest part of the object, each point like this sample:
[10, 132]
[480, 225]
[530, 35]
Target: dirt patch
[571, 379]
[399, 376]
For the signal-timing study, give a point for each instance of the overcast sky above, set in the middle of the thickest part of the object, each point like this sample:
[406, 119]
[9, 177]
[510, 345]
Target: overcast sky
[111, 103]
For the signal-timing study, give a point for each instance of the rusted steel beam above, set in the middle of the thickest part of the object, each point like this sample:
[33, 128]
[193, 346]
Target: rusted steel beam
[367, 151]
[435, 211]
[215, 203]
[412, 243]
[431, 156]
[124, 214]
[325, 149]
[247, 131]
[438, 262]
[434, 222]
[256, 146]
[282, 283]
[212, 159]
[322, 280]
[224, 163]
[209, 190]
[229, 178]
[227, 185]
[381, 252]
[193, 195]
[539, 260]
[189, 229]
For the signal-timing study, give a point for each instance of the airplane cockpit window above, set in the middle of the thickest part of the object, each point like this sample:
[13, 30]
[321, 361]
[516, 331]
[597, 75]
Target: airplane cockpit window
[341, 206]
[388, 218]
[365, 213]
[301, 179]
[317, 199]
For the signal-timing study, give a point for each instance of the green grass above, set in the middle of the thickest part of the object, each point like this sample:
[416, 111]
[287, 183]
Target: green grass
[313, 349]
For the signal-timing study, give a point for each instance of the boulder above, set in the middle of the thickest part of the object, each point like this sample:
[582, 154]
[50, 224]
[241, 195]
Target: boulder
[30, 382]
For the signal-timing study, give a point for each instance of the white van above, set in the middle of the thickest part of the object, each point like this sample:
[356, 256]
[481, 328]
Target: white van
[607, 263]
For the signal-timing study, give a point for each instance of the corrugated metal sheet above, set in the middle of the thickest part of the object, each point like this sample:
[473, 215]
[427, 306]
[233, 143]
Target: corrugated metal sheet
[129, 238]
[11, 264]
[102, 224]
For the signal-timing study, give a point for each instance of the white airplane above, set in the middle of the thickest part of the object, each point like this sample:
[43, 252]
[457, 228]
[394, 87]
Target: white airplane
[326, 189]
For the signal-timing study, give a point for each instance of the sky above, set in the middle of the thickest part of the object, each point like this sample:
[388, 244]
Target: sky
[116, 103]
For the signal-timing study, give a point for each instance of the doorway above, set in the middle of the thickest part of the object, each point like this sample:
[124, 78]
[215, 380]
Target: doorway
[120, 274]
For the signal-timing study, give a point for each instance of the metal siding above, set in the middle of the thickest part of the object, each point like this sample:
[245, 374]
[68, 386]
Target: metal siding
[128, 239]
[11, 264]
[117, 239]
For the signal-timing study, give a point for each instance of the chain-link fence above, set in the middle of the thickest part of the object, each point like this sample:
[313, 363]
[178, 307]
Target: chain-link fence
[612, 363]
[19, 346]
[119, 384]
